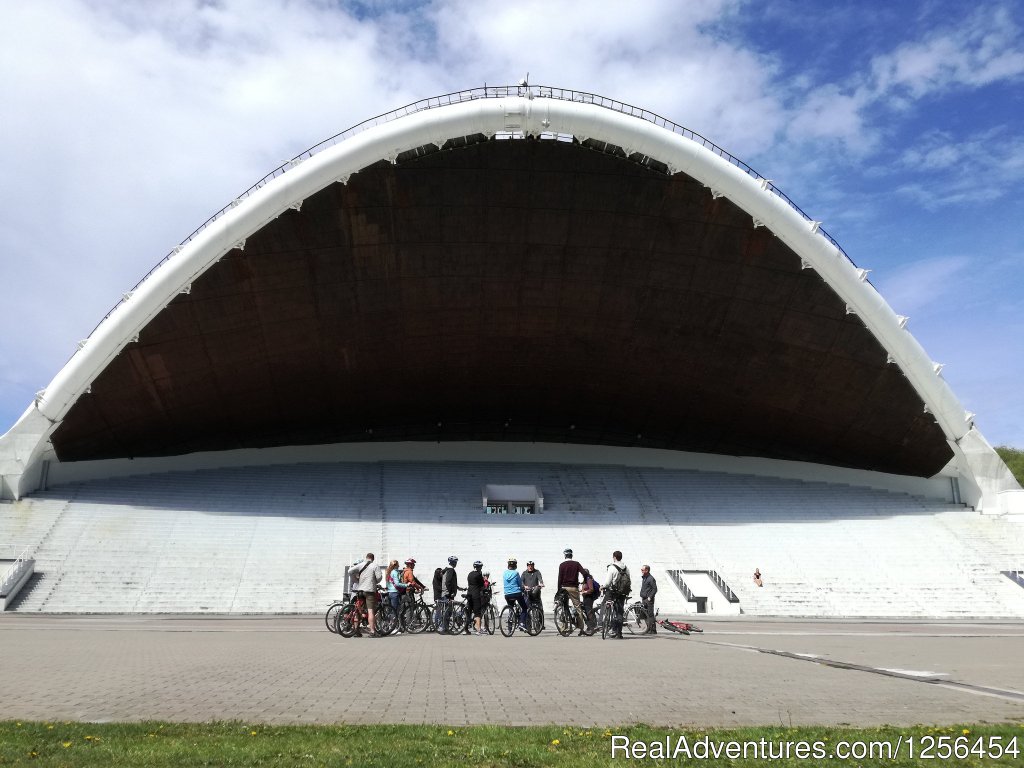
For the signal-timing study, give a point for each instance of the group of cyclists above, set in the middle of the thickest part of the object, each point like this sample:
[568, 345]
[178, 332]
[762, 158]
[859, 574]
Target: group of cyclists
[577, 591]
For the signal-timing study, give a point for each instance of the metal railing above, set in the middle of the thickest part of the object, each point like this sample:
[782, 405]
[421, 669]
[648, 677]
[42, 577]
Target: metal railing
[1017, 577]
[723, 587]
[15, 571]
[677, 579]
[474, 94]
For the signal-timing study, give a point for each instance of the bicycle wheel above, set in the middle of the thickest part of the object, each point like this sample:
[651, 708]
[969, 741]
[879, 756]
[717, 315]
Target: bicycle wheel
[386, 620]
[459, 619]
[490, 619]
[415, 619]
[606, 620]
[331, 617]
[535, 620]
[635, 620]
[563, 625]
[508, 621]
[345, 624]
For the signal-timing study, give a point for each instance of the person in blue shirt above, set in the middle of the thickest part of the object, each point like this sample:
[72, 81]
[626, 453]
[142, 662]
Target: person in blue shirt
[513, 588]
[395, 588]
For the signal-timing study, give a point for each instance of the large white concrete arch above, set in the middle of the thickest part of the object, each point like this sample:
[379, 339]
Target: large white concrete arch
[530, 112]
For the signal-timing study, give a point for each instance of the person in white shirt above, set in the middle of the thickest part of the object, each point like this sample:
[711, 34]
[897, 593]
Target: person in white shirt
[367, 576]
[615, 585]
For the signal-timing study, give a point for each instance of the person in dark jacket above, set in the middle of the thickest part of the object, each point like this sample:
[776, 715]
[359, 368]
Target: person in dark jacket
[648, 589]
[436, 585]
[449, 588]
[474, 596]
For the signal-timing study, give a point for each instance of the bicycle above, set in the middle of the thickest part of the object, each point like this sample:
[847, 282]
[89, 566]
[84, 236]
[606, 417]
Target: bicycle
[331, 617]
[352, 616]
[511, 614]
[566, 615]
[489, 619]
[682, 627]
[630, 620]
[636, 621]
[532, 599]
[454, 615]
[417, 615]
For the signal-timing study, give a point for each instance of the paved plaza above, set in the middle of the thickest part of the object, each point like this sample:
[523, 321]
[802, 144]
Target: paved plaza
[292, 670]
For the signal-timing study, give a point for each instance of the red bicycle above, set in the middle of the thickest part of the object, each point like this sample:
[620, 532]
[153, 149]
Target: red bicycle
[353, 618]
[682, 627]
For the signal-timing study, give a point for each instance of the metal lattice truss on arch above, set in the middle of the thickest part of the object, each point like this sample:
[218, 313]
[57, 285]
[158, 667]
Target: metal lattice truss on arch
[514, 264]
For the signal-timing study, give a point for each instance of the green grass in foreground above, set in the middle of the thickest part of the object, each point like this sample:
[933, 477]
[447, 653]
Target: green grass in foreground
[240, 744]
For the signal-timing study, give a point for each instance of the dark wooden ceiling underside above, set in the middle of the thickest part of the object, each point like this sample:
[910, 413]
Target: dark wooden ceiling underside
[511, 290]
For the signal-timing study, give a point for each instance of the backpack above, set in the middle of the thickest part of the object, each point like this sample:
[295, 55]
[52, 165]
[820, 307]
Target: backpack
[596, 587]
[622, 582]
[436, 584]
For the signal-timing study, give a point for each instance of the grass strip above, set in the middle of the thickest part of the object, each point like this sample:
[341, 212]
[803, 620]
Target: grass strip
[242, 744]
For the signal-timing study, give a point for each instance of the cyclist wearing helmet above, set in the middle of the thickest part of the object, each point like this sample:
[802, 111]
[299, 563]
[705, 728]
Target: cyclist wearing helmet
[569, 580]
[449, 588]
[513, 587]
[533, 583]
[410, 582]
[449, 579]
[474, 595]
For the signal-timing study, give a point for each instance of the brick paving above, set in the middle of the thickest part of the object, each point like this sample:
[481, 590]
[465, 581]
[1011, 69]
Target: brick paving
[291, 670]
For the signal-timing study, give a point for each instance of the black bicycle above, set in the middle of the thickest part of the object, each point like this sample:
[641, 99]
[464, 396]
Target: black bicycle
[567, 618]
[417, 616]
[489, 619]
[511, 614]
[634, 618]
[453, 617]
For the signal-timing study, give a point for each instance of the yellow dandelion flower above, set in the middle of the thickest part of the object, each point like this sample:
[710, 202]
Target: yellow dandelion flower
[555, 742]
[18, 725]
[966, 731]
[66, 744]
[252, 733]
[88, 738]
[49, 727]
[451, 733]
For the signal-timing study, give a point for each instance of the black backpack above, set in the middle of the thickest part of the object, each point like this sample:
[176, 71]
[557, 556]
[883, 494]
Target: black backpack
[622, 584]
[437, 580]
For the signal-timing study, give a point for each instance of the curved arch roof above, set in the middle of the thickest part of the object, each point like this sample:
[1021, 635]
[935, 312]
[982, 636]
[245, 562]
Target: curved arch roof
[516, 268]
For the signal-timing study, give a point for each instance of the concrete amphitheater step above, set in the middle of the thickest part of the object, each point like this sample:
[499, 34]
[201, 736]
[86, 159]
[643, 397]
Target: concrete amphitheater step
[278, 539]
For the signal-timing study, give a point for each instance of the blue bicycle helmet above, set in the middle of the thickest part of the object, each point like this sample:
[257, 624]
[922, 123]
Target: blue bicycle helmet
[453, 560]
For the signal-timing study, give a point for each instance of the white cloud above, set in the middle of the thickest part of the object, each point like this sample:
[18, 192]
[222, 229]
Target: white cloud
[859, 111]
[830, 113]
[977, 51]
[658, 55]
[952, 170]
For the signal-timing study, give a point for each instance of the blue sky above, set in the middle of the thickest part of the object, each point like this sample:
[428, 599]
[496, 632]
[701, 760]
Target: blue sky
[898, 125]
